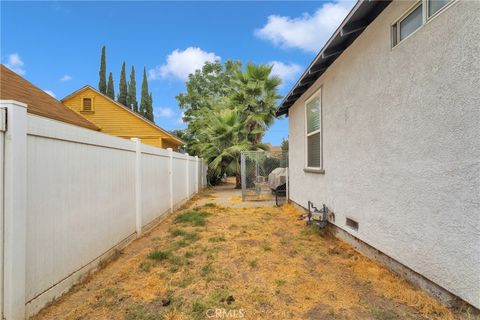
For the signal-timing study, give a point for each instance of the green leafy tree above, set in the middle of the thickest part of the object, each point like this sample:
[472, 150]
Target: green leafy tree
[132, 92]
[110, 87]
[187, 138]
[205, 88]
[231, 116]
[145, 97]
[284, 144]
[122, 87]
[102, 83]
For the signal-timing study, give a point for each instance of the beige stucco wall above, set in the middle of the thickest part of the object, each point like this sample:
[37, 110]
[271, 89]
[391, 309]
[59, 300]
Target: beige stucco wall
[401, 145]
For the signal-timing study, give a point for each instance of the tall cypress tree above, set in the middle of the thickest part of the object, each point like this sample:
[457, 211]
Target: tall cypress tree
[110, 88]
[145, 98]
[150, 108]
[132, 92]
[102, 83]
[122, 87]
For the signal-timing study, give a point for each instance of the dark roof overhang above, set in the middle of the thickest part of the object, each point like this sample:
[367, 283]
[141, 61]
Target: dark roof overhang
[359, 18]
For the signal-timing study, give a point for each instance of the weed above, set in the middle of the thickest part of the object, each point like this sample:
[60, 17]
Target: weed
[266, 247]
[253, 263]
[184, 282]
[210, 256]
[191, 236]
[313, 230]
[181, 244]
[145, 266]
[189, 254]
[334, 250]
[217, 239]
[280, 282]
[198, 309]
[194, 218]
[206, 269]
[382, 314]
[159, 255]
[177, 232]
[138, 312]
[209, 205]
[176, 260]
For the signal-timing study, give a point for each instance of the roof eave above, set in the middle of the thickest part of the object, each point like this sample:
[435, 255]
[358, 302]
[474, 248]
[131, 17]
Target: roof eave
[358, 19]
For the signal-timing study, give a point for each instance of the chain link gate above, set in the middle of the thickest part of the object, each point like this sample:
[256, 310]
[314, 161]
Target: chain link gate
[264, 175]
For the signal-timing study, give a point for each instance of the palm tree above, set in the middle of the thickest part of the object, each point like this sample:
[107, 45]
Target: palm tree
[256, 96]
[223, 125]
[222, 141]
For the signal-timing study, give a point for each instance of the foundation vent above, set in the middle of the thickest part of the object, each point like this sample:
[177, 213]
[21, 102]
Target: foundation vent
[352, 224]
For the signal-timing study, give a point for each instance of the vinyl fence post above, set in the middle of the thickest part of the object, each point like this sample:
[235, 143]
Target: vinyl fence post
[170, 176]
[15, 210]
[188, 178]
[138, 186]
[196, 174]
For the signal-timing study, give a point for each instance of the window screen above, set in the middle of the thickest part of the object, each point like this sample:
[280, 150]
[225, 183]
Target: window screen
[435, 5]
[313, 142]
[411, 23]
[313, 115]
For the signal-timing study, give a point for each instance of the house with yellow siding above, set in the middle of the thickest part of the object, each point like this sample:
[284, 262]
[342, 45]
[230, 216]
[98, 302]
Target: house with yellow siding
[118, 120]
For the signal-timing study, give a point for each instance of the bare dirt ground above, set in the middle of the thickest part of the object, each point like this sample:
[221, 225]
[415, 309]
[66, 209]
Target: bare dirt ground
[222, 259]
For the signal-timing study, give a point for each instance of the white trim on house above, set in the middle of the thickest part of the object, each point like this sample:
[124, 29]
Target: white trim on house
[317, 93]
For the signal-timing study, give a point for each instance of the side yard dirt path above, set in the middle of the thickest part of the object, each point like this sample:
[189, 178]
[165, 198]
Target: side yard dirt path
[212, 261]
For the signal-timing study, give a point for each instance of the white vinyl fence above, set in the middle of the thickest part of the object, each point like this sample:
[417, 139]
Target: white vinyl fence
[71, 197]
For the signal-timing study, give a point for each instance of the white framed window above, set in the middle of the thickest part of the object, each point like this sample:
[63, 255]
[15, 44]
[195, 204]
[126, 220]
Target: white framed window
[415, 17]
[313, 132]
[434, 6]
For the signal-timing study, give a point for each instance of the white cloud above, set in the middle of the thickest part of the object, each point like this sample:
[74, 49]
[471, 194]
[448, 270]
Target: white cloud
[286, 72]
[308, 32]
[164, 112]
[15, 63]
[181, 63]
[50, 92]
[66, 78]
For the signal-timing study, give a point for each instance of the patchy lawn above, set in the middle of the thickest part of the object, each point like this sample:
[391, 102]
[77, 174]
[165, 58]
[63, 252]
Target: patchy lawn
[259, 263]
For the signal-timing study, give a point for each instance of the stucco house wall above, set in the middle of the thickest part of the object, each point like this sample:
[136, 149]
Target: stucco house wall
[401, 145]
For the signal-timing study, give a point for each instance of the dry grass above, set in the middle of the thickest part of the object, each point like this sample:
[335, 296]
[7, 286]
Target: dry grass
[265, 259]
[235, 199]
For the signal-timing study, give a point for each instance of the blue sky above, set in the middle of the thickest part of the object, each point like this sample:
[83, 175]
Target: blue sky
[56, 45]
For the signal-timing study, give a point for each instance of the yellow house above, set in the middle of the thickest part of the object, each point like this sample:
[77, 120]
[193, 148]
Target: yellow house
[116, 119]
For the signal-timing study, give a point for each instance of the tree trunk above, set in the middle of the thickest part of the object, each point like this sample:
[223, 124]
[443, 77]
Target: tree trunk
[238, 181]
